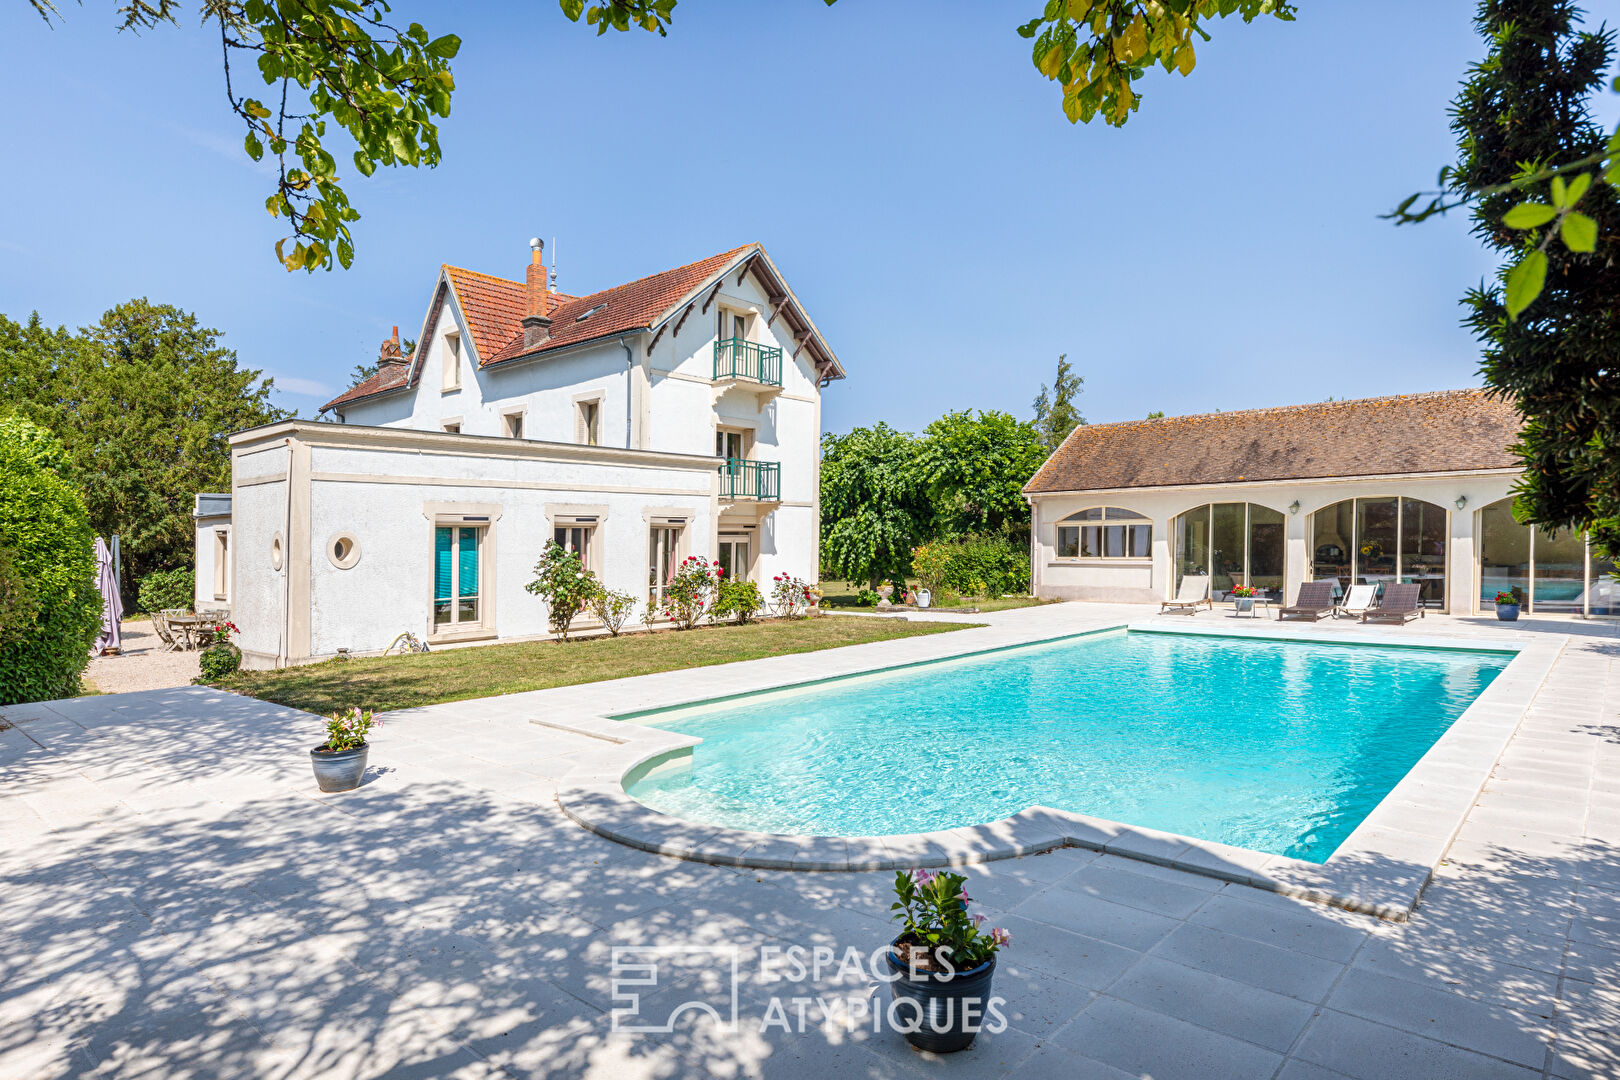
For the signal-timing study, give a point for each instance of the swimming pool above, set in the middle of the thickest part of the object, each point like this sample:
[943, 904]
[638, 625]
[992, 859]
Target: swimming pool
[1276, 746]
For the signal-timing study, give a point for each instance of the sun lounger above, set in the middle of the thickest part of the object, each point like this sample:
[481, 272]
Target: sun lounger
[1400, 604]
[1193, 594]
[1314, 601]
[1358, 602]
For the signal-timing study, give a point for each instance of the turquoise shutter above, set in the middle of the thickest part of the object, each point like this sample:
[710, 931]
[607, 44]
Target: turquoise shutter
[441, 564]
[469, 563]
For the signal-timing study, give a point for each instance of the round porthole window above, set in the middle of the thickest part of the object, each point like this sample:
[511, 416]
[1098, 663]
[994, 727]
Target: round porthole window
[275, 552]
[343, 550]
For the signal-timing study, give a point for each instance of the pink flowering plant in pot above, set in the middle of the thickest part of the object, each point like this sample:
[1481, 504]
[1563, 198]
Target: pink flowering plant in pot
[340, 761]
[942, 962]
[689, 596]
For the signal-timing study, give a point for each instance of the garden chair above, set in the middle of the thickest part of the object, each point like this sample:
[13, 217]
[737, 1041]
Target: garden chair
[1399, 605]
[1193, 594]
[1314, 601]
[165, 633]
[1358, 602]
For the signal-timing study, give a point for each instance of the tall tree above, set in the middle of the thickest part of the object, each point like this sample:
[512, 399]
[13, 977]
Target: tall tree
[1055, 412]
[874, 508]
[974, 467]
[143, 402]
[1524, 112]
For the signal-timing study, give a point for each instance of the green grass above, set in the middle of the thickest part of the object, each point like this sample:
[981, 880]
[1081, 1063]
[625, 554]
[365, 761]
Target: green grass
[399, 682]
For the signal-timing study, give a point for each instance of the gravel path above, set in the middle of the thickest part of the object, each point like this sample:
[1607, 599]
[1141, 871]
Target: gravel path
[143, 665]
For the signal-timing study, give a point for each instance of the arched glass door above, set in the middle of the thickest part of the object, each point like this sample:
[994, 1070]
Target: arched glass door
[1235, 544]
[1376, 541]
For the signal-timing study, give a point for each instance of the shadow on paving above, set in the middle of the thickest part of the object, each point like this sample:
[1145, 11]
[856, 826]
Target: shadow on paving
[429, 928]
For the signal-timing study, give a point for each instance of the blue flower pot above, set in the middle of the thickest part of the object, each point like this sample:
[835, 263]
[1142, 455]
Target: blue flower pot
[949, 1010]
[1507, 612]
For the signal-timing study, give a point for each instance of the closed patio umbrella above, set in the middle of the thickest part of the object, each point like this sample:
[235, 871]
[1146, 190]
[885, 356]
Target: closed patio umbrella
[112, 605]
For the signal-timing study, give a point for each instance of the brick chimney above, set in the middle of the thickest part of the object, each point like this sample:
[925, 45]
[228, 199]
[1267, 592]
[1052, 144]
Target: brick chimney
[390, 361]
[536, 321]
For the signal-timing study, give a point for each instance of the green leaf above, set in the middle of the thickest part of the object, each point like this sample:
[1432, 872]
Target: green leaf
[1528, 215]
[1577, 188]
[573, 9]
[1560, 192]
[254, 148]
[1525, 281]
[1578, 231]
[445, 47]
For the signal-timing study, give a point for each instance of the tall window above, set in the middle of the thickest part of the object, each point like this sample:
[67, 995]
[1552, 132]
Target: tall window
[222, 564]
[663, 547]
[589, 423]
[514, 425]
[1552, 574]
[457, 576]
[579, 539]
[1105, 532]
[734, 557]
[452, 361]
[1380, 540]
[729, 444]
[1235, 544]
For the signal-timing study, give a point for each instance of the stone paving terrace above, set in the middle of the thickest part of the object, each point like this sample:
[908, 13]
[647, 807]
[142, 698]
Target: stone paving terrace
[177, 900]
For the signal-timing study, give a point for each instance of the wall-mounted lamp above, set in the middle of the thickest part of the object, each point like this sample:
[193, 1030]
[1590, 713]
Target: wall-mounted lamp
[1462, 501]
[1293, 507]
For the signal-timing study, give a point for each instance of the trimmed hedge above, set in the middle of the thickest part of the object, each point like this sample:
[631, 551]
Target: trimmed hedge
[44, 524]
[166, 590]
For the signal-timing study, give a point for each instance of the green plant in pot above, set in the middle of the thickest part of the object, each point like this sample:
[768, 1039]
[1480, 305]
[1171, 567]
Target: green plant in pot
[1507, 605]
[1242, 597]
[340, 761]
[942, 962]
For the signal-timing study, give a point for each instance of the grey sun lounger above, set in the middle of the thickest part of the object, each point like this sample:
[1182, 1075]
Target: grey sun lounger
[1400, 604]
[1314, 601]
[1193, 594]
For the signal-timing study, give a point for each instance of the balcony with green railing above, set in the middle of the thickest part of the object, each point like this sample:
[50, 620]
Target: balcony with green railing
[755, 481]
[736, 359]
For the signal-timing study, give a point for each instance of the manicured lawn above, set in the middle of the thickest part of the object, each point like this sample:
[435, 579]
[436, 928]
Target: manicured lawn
[398, 682]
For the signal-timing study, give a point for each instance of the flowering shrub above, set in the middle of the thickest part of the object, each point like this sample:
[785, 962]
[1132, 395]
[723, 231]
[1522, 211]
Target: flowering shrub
[939, 934]
[348, 730]
[690, 592]
[562, 581]
[224, 631]
[612, 608]
[217, 661]
[1243, 591]
[931, 562]
[789, 596]
[739, 598]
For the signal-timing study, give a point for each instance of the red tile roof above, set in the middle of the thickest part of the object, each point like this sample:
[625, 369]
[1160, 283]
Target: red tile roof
[494, 309]
[1447, 431]
[635, 305]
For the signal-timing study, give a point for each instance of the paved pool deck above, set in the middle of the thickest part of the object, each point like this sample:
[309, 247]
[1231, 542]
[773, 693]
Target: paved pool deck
[176, 899]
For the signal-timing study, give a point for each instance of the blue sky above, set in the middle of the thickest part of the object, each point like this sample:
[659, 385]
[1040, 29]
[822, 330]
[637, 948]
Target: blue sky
[908, 170]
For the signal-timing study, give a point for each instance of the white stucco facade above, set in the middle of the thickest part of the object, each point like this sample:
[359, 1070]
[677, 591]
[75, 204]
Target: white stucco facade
[627, 439]
[211, 516]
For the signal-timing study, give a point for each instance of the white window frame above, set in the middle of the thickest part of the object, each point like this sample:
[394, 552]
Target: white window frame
[1074, 523]
[521, 418]
[456, 623]
[588, 405]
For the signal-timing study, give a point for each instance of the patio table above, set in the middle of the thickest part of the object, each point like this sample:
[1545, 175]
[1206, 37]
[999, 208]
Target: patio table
[191, 628]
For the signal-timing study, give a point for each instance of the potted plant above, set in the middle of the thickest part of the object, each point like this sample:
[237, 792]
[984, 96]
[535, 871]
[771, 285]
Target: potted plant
[340, 761]
[942, 961]
[1507, 605]
[1243, 597]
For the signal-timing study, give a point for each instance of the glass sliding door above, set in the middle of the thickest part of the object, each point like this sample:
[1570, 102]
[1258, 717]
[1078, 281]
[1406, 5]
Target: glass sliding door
[1550, 574]
[1267, 545]
[1333, 543]
[1424, 531]
[1504, 554]
[1228, 541]
[1377, 540]
[1600, 587]
[1558, 573]
[1192, 544]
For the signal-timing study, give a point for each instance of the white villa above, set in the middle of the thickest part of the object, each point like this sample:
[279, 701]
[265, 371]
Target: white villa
[1414, 488]
[676, 415]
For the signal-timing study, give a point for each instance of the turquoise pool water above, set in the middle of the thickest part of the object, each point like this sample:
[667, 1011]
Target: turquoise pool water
[1275, 746]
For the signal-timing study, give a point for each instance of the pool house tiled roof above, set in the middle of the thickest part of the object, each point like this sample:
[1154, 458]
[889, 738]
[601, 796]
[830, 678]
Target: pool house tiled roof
[1442, 432]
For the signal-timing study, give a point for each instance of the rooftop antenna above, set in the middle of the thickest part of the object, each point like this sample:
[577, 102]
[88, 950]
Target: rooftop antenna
[554, 263]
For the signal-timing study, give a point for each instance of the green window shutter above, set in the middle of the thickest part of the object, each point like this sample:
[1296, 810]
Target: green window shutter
[441, 564]
[468, 575]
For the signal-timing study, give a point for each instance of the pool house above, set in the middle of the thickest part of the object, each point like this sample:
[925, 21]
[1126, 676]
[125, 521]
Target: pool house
[1413, 488]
